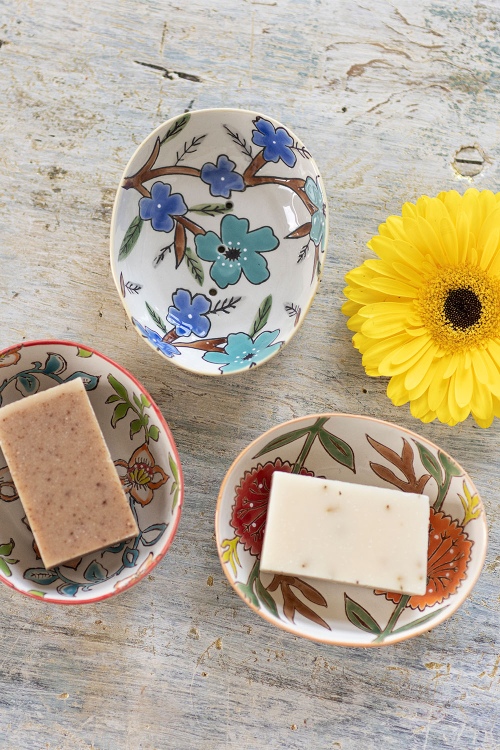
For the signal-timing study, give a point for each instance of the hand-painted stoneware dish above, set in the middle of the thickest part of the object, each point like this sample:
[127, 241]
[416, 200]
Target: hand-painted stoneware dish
[218, 236]
[144, 454]
[363, 451]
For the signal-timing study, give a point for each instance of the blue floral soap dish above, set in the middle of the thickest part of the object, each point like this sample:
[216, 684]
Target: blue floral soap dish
[218, 237]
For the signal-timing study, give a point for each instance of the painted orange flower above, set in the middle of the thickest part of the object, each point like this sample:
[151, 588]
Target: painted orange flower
[250, 504]
[141, 476]
[10, 358]
[8, 490]
[448, 557]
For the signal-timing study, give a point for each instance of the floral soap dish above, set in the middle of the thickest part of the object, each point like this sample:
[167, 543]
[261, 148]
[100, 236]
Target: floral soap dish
[218, 237]
[362, 451]
[146, 460]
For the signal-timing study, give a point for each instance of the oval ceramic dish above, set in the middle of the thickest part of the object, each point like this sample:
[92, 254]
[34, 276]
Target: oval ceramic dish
[217, 238]
[137, 436]
[363, 451]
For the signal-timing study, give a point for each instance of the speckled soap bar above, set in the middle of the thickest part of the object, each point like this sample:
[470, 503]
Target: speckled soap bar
[346, 532]
[64, 474]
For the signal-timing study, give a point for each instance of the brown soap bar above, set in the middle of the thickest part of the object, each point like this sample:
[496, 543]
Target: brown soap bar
[64, 474]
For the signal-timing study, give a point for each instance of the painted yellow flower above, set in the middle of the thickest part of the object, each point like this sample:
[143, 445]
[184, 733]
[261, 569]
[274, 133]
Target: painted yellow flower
[427, 312]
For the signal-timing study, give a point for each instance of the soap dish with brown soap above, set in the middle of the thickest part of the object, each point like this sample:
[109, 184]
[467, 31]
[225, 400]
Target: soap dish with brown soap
[90, 480]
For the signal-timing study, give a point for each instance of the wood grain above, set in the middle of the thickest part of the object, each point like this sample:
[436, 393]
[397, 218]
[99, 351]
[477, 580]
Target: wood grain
[384, 95]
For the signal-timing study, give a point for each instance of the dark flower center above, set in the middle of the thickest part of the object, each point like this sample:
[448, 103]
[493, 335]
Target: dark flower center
[462, 308]
[248, 356]
[232, 253]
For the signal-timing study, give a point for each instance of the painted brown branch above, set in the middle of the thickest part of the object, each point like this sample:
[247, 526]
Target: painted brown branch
[146, 172]
[191, 226]
[291, 602]
[170, 336]
[207, 345]
[251, 179]
[404, 463]
[179, 243]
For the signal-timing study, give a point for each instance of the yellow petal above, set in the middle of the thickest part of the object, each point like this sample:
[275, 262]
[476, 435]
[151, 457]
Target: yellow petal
[463, 234]
[393, 287]
[355, 322]
[382, 326]
[409, 349]
[452, 365]
[393, 227]
[419, 407]
[464, 385]
[481, 403]
[373, 354]
[386, 367]
[484, 369]
[396, 390]
[489, 251]
[384, 308]
[448, 238]
[350, 308]
[419, 373]
[458, 412]
[438, 388]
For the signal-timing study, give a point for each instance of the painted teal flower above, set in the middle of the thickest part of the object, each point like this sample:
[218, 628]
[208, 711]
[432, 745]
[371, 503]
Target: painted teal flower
[236, 251]
[242, 352]
[188, 314]
[221, 177]
[275, 141]
[162, 205]
[154, 338]
[318, 220]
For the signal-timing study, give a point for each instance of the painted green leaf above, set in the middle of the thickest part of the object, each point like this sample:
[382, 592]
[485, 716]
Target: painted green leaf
[131, 237]
[137, 401]
[55, 364]
[119, 412]
[135, 426]
[212, 209]
[118, 387]
[262, 316]
[176, 128]
[416, 623]
[159, 322]
[6, 549]
[26, 383]
[265, 597]
[83, 352]
[41, 576]
[89, 381]
[282, 440]
[34, 592]
[173, 468]
[176, 495]
[154, 432]
[195, 266]
[145, 401]
[430, 462]
[153, 534]
[114, 397]
[248, 593]
[338, 449]
[360, 617]
[4, 568]
[450, 467]
[95, 572]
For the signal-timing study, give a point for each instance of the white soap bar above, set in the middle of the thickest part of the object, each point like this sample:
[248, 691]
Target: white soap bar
[351, 533]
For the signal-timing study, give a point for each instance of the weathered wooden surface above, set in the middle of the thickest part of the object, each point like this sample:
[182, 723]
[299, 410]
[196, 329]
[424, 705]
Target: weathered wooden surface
[384, 94]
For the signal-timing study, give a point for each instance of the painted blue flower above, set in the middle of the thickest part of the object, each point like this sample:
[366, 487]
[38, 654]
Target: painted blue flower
[236, 251]
[275, 141]
[221, 177]
[154, 338]
[162, 205]
[318, 220]
[188, 315]
[242, 352]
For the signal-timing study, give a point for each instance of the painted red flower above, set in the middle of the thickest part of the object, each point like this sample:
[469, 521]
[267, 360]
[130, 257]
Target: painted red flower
[141, 476]
[250, 505]
[448, 557]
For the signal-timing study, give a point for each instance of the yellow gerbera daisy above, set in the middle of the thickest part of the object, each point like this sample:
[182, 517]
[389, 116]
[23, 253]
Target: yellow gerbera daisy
[427, 312]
